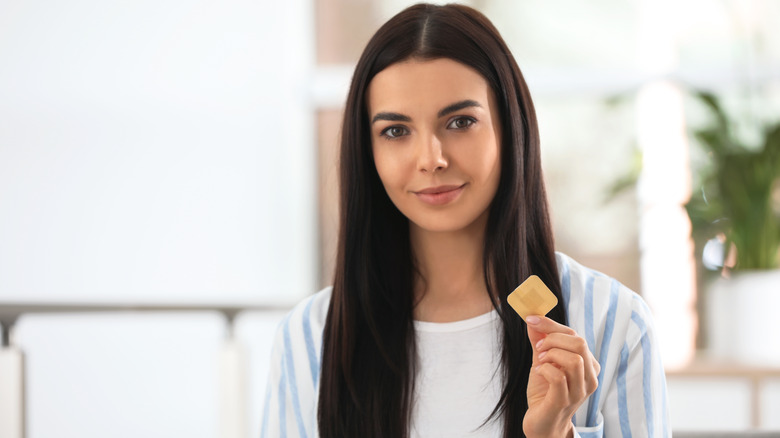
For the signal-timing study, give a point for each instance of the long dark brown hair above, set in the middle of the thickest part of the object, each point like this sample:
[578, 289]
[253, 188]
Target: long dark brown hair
[368, 352]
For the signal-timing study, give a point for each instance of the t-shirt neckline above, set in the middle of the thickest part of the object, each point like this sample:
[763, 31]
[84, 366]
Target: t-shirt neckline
[455, 326]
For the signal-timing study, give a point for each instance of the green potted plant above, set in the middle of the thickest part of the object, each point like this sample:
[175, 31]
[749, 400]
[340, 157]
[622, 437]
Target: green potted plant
[736, 202]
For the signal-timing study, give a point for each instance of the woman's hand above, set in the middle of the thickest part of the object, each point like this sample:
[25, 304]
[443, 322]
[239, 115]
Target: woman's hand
[563, 374]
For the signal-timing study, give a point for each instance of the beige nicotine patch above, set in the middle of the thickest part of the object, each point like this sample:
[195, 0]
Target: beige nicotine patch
[532, 297]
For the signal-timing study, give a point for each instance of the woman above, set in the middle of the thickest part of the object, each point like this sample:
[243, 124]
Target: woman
[443, 214]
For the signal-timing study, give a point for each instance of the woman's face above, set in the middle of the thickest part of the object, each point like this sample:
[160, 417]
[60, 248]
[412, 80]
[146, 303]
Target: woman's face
[436, 136]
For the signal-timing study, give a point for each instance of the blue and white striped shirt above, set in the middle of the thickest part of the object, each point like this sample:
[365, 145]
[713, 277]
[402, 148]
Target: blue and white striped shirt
[615, 322]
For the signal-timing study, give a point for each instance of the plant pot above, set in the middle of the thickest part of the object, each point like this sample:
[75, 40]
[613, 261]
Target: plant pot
[744, 318]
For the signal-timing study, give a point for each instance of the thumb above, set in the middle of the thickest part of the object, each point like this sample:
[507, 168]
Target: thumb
[534, 335]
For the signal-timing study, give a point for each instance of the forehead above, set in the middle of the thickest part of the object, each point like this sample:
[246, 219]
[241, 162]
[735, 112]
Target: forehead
[414, 84]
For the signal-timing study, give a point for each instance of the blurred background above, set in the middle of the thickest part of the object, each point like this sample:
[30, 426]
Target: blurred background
[174, 162]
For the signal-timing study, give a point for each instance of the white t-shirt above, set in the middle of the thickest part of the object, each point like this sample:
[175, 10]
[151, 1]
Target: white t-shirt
[458, 381]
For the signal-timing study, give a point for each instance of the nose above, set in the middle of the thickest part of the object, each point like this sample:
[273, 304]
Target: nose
[430, 158]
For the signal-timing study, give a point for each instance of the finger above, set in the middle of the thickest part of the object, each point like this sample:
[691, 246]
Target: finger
[535, 337]
[545, 325]
[575, 345]
[540, 327]
[592, 379]
[596, 367]
[573, 366]
[558, 393]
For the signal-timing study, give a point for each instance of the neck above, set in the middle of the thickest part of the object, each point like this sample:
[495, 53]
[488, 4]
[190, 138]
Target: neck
[450, 285]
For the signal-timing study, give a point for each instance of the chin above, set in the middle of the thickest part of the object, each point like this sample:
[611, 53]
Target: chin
[444, 223]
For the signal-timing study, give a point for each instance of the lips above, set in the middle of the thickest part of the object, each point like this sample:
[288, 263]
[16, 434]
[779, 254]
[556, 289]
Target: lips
[440, 195]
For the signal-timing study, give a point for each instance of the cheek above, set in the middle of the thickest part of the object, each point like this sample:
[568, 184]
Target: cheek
[488, 160]
[385, 167]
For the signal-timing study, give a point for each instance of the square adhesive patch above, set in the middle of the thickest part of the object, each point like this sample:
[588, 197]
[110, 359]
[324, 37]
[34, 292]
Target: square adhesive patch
[533, 297]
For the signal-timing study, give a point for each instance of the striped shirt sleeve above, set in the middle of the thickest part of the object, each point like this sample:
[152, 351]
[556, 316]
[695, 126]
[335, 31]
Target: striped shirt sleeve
[631, 399]
[640, 389]
[289, 409]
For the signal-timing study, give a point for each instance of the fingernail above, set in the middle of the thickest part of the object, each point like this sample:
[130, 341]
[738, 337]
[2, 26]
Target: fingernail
[539, 344]
[533, 319]
[542, 355]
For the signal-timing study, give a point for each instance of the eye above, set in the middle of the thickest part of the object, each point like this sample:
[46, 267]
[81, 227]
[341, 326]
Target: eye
[394, 132]
[462, 122]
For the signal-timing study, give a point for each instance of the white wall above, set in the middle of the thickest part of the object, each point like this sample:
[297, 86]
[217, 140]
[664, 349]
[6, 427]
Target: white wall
[151, 151]
[155, 151]
[724, 403]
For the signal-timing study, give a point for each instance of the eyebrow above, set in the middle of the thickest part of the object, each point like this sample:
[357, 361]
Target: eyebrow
[396, 117]
[457, 106]
[392, 117]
